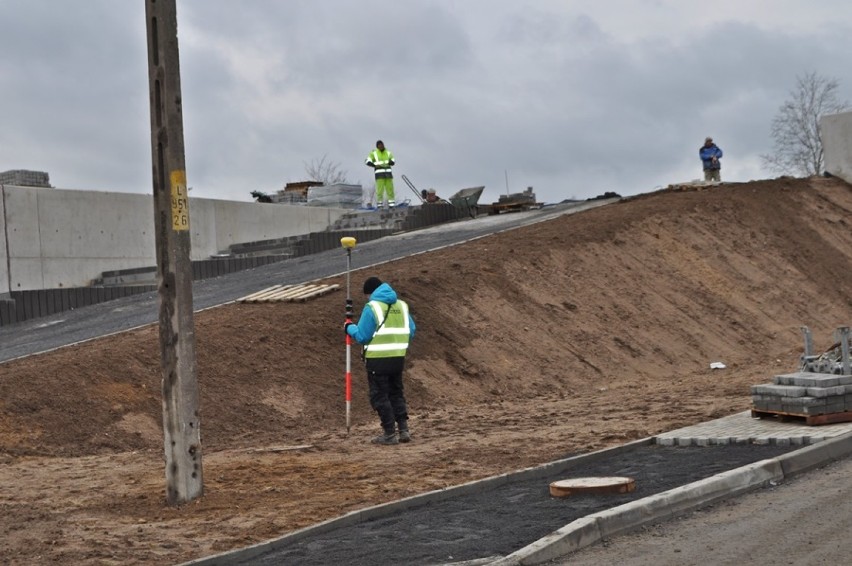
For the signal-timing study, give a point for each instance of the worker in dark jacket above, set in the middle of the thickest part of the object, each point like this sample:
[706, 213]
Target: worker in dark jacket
[710, 155]
[385, 328]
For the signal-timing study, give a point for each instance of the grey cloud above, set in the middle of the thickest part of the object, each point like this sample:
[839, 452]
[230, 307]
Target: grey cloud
[461, 92]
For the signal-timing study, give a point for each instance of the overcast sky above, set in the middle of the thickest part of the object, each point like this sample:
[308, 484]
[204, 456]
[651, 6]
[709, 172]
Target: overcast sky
[573, 98]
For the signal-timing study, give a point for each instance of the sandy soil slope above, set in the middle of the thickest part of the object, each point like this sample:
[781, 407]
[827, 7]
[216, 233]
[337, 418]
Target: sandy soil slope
[567, 336]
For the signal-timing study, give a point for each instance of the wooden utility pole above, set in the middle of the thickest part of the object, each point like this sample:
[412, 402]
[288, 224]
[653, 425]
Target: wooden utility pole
[181, 414]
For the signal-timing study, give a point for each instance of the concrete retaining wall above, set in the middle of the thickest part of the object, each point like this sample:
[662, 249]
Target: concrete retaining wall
[52, 238]
[836, 137]
[4, 251]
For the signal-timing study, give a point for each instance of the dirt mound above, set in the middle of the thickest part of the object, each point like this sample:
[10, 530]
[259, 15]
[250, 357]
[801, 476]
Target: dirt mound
[566, 336]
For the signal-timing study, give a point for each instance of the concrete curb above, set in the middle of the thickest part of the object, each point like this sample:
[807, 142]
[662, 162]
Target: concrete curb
[592, 528]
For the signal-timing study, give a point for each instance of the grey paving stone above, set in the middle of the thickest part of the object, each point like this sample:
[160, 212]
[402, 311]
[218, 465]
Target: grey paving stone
[838, 390]
[779, 390]
[809, 379]
[742, 428]
[804, 402]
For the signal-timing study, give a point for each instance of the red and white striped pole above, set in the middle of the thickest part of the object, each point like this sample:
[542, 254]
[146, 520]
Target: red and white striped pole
[348, 243]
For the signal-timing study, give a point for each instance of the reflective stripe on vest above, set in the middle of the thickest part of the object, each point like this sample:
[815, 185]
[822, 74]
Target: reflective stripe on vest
[382, 162]
[391, 338]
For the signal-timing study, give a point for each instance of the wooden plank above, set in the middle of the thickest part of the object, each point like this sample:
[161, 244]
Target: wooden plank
[266, 297]
[307, 293]
[275, 295]
[253, 296]
[830, 418]
[811, 420]
[287, 294]
[319, 292]
[298, 447]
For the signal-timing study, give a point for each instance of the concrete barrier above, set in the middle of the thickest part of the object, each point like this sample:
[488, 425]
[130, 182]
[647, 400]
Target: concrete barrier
[4, 250]
[836, 137]
[55, 238]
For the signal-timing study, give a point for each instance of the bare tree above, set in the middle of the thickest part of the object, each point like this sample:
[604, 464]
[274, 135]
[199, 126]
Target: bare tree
[325, 171]
[797, 147]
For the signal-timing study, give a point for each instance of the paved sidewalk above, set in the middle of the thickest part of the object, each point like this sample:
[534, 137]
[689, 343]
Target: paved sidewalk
[743, 429]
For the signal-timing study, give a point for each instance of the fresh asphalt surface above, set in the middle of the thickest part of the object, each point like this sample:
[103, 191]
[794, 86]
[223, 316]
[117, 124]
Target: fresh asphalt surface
[511, 519]
[500, 520]
[69, 327]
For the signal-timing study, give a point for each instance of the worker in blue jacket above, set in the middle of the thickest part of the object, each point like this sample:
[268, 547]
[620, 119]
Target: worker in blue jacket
[710, 155]
[385, 328]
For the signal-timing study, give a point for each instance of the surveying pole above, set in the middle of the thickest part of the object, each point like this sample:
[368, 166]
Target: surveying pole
[348, 243]
[181, 415]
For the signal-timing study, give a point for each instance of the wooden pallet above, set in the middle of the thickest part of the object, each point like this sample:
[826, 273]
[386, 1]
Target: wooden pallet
[288, 293]
[813, 420]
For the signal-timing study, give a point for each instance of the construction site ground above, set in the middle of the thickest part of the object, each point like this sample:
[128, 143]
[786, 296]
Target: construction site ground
[560, 337]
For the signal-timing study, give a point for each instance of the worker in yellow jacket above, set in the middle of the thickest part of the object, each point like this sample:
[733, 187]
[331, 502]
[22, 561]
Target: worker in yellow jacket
[381, 160]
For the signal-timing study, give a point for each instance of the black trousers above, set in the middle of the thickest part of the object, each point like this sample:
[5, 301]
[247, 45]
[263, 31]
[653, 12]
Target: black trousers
[387, 398]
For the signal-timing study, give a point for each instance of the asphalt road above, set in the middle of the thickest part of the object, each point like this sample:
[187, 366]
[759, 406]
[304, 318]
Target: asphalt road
[804, 522]
[69, 327]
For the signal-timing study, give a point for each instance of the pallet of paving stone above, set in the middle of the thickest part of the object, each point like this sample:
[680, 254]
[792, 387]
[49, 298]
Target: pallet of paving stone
[816, 398]
[812, 420]
[288, 293]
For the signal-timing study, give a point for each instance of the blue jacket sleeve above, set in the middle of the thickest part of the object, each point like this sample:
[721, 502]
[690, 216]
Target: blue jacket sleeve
[413, 328]
[366, 327]
[708, 153]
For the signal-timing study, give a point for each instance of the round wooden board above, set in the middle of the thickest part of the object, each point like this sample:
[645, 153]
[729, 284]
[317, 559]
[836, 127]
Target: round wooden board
[564, 488]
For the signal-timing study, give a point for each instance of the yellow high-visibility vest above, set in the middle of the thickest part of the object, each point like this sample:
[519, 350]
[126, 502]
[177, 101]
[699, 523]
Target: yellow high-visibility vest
[392, 337]
[381, 159]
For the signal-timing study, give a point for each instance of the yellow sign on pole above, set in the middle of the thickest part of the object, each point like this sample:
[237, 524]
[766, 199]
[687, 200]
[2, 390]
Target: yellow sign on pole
[180, 201]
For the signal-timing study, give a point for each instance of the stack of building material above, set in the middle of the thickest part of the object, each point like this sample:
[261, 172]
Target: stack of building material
[515, 202]
[290, 197]
[526, 197]
[820, 398]
[295, 193]
[24, 178]
[339, 195]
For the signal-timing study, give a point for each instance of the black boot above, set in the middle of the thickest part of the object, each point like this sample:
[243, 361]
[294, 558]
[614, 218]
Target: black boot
[386, 438]
[404, 434]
